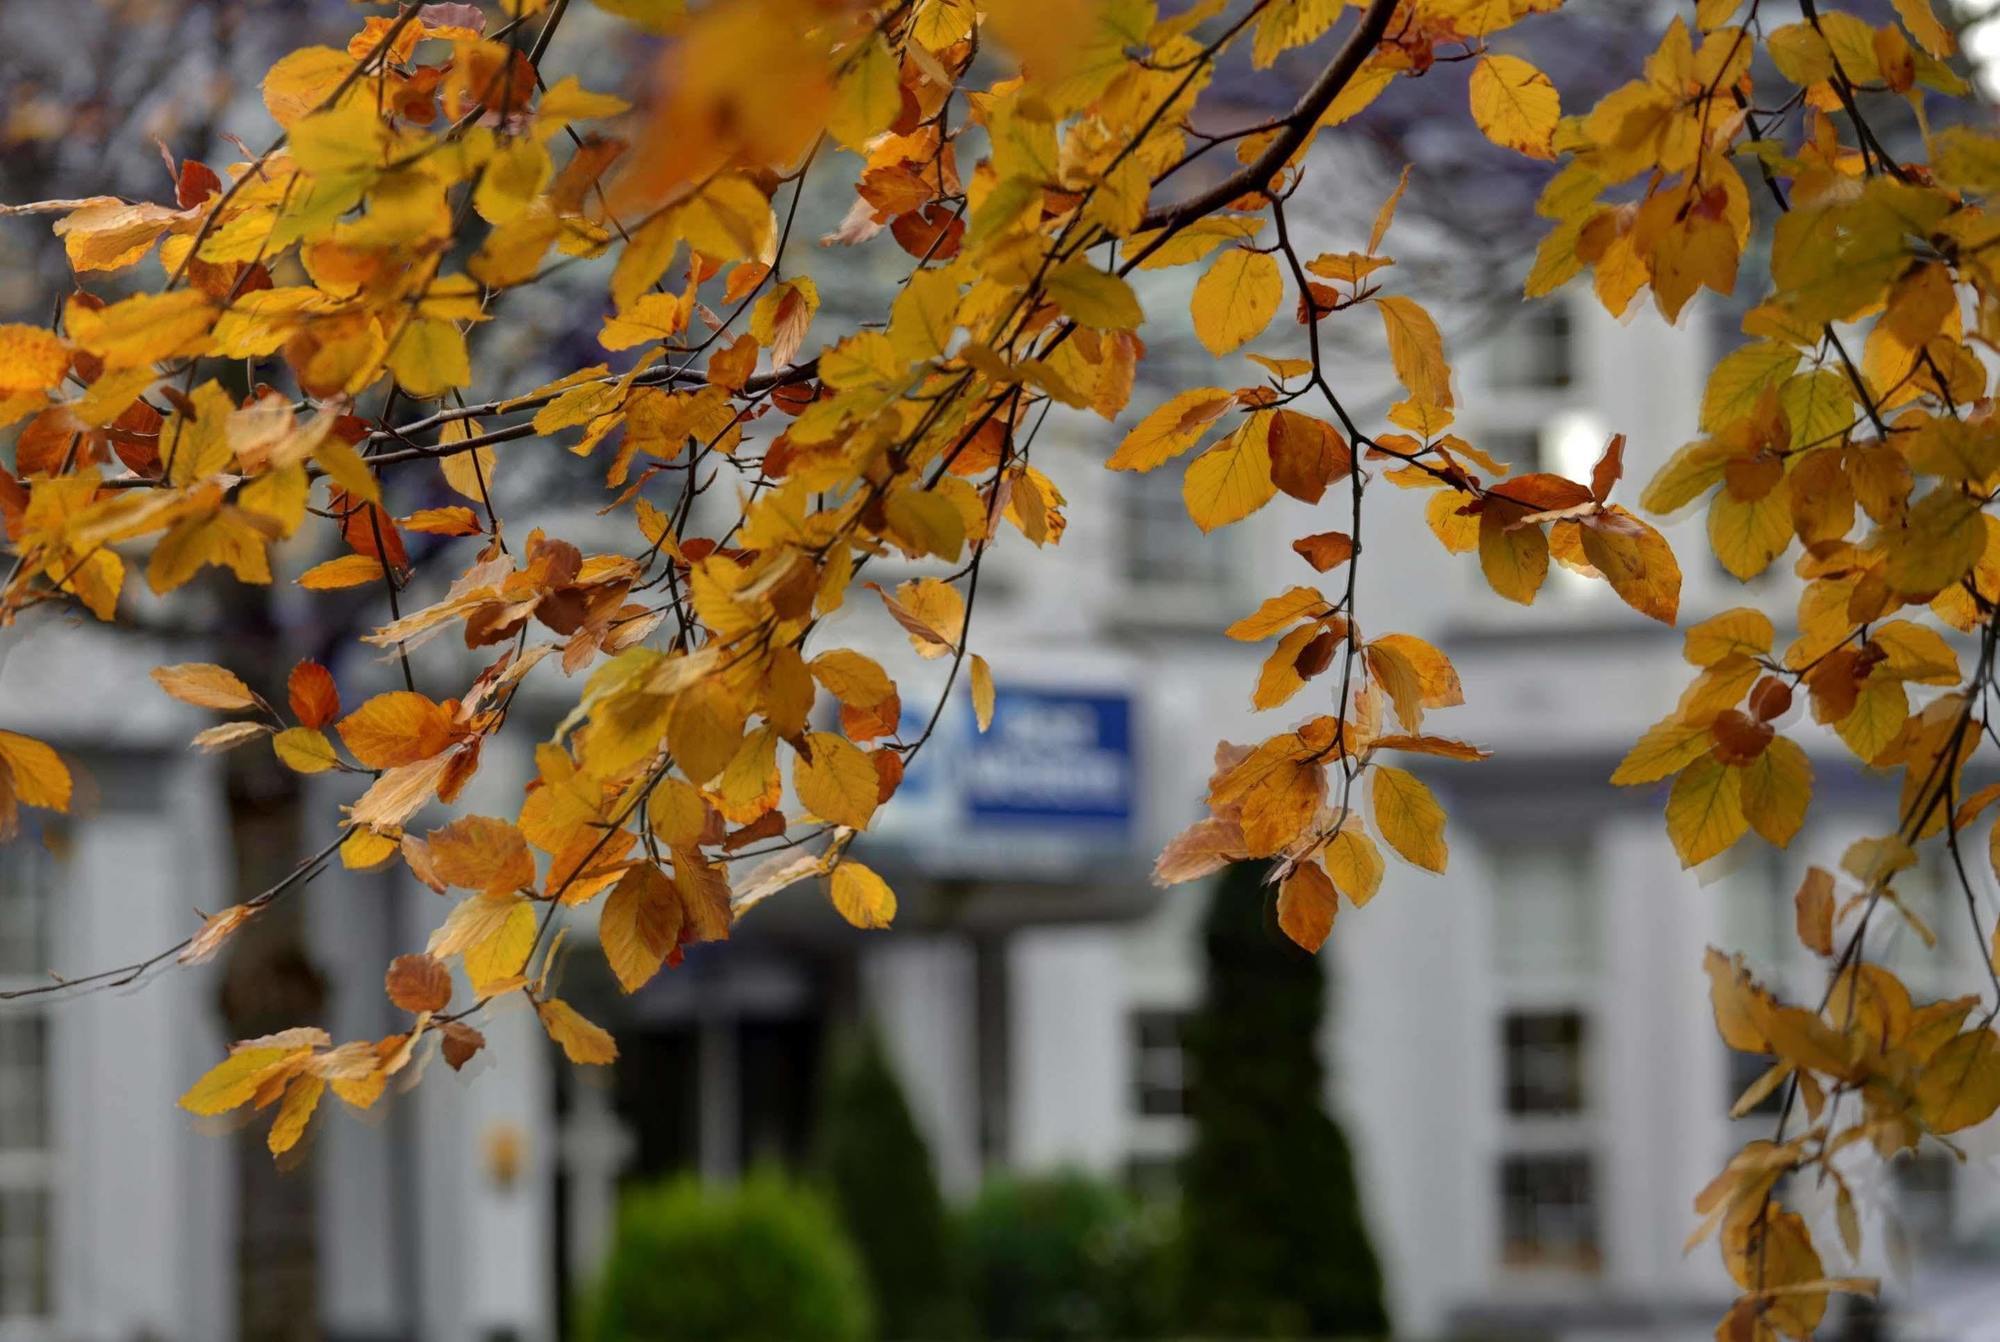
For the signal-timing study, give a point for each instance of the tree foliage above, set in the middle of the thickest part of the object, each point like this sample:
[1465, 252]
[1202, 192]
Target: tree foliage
[1271, 1210]
[296, 345]
[877, 1171]
[761, 1260]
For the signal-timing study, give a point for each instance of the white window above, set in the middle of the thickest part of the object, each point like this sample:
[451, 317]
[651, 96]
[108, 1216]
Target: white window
[1547, 935]
[1542, 1062]
[26, 1159]
[1164, 550]
[1546, 917]
[1548, 1215]
[1535, 352]
[1159, 1064]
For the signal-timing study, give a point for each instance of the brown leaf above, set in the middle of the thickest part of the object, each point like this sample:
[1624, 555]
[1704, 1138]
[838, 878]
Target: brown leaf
[418, 983]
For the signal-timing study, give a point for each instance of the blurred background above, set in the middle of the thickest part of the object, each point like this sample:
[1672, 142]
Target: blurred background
[1055, 1102]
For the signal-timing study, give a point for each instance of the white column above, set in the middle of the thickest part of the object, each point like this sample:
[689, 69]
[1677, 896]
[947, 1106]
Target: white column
[144, 1202]
[719, 1122]
[919, 993]
[361, 1160]
[594, 1148]
[1066, 1049]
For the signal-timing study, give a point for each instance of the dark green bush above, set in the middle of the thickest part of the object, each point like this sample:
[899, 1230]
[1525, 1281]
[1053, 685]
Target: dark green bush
[878, 1175]
[1273, 1229]
[764, 1261]
[1066, 1257]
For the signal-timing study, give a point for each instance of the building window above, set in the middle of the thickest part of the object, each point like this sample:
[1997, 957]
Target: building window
[1163, 547]
[1535, 349]
[1924, 1197]
[1543, 1062]
[1159, 1064]
[1548, 1211]
[1744, 1070]
[1519, 450]
[26, 1161]
[1546, 919]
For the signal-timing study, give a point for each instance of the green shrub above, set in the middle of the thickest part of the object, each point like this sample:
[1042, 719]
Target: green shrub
[764, 1261]
[878, 1175]
[1066, 1257]
[1272, 1217]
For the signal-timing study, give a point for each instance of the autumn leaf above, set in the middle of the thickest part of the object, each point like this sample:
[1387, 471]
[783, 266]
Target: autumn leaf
[204, 686]
[835, 780]
[640, 925]
[863, 898]
[581, 1041]
[1236, 298]
[418, 983]
[1307, 905]
[1408, 817]
[1514, 105]
[1705, 810]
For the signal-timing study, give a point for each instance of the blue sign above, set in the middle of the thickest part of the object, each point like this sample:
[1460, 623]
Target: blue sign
[1051, 758]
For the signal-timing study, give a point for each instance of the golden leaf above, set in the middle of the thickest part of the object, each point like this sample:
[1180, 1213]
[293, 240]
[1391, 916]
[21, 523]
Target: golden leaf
[204, 686]
[1236, 298]
[581, 1040]
[862, 897]
[837, 782]
[1408, 816]
[1515, 106]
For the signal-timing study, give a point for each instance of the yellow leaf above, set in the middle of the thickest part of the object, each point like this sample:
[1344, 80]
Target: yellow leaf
[301, 1098]
[503, 951]
[581, 1040]
[304, 750]
[1636, 560]
[1960, 1085]
[1705, 810]
[1236, 299]
[1739, 629]
[931, 611]
[1812, 909]
[1232, 479]
[1279, 679]
[1355, 864]
[301, 81]
[1668, 746]
[1307, 905]
[1408, 816]
[1777, 788]
[867, 95]
[1288, 607]
[1516, 560]
[982, 692]
[1515, 106]
[228, 736]
[1095, 298]
[31, 359]
[1416, 349]
[640, 925]
[204, 685]
[145, 328]
[477, 852]
[677, 814]
[862, 897]
[344, 571]
[838, 783]
[233, 1081]
[400, 727]
[1171, 429]
[429, 357]
[1740, 378]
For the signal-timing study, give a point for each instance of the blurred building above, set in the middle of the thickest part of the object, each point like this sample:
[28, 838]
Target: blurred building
[1521, 1049]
